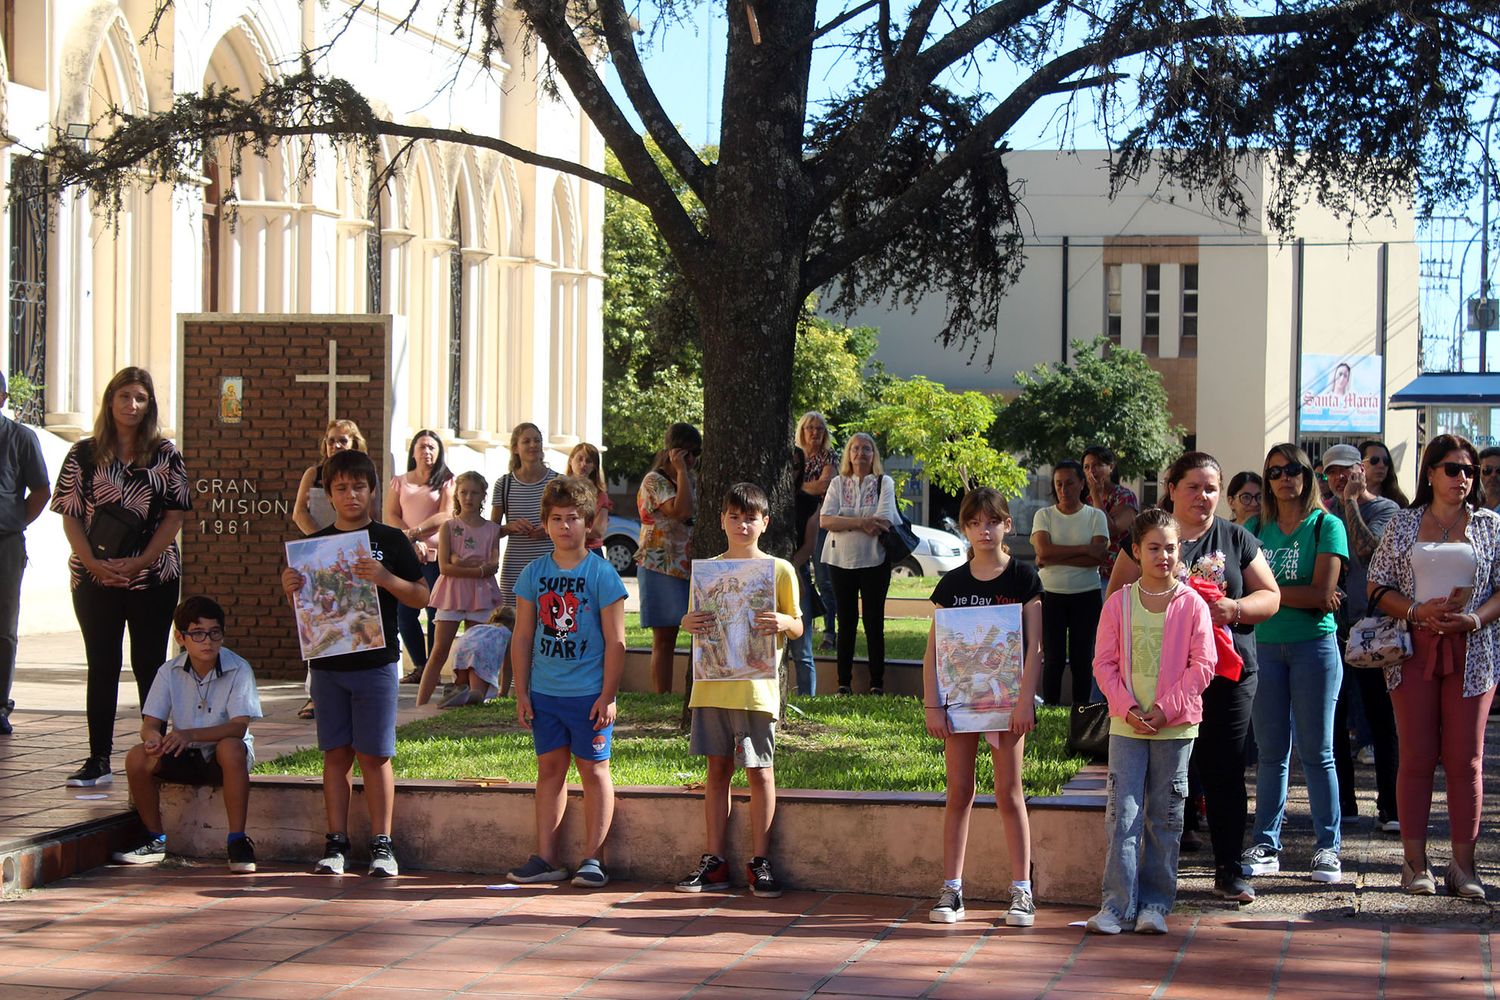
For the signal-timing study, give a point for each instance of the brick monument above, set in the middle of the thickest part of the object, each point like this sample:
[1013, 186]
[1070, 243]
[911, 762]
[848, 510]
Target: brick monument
[258, 392]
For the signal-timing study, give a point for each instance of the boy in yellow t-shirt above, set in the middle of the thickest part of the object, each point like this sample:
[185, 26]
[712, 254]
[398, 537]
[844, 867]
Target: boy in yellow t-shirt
[734, 722]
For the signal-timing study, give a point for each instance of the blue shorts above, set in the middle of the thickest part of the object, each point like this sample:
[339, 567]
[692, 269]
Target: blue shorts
[357, 708]
[565, 722]
[664, 599]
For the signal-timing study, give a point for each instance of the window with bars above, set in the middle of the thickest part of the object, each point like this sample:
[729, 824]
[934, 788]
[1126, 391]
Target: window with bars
[29, 226]
[1112, 294]
[1189, 345]
[1151, 311]
[455, 325]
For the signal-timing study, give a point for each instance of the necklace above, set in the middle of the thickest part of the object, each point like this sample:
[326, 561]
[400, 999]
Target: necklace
[1445, 528]
[204, 687]
[1157, 593]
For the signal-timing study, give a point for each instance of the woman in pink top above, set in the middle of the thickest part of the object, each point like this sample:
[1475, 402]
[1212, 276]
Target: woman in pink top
[418, 503]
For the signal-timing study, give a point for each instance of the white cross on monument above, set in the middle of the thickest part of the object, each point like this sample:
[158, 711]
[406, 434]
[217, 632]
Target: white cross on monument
[333, 378]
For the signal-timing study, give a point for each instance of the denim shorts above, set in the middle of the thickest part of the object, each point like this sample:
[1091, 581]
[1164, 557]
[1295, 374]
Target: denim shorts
[748, 737]
[564, 722]
[357, 708]
[664, 599]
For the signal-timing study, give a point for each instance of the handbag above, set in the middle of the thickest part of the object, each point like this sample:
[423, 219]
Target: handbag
[1088, 731]
[899, 541]
[115, 532]
[1377, 640]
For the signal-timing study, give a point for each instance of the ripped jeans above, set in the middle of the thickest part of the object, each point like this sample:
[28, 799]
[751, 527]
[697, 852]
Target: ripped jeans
[1143, 816]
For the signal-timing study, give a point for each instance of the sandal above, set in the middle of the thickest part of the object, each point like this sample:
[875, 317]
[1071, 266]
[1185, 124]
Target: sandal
[306, 711]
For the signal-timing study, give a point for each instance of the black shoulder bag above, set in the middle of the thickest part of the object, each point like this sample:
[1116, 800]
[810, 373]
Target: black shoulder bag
[114, 532]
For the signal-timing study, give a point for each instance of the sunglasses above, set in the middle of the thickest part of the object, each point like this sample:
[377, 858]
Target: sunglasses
[1290, 469]
[1491, 471]
[1376, 460]
[198, 635]
[1455, 469]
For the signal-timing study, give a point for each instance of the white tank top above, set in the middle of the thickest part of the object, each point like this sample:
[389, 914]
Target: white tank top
[1441, 566]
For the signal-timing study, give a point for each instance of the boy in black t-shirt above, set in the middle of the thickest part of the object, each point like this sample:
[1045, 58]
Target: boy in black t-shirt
[356, 692]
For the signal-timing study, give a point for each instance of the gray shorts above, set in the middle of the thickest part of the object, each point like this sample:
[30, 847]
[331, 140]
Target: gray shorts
[748, 737]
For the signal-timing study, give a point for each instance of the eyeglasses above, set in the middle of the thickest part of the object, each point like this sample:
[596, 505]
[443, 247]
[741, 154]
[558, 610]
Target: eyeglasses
[1455, 469]
[340, 440]
[199, 635]
[1290, 469]
[1247, 497]
[1376, 460]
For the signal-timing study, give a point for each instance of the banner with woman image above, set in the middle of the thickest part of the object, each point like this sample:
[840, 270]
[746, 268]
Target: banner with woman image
[1341, 394]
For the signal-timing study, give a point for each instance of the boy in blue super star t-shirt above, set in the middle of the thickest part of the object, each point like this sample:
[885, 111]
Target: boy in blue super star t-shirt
[568, 653]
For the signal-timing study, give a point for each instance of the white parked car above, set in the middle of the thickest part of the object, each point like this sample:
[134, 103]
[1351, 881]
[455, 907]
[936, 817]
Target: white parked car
[936, 553]
[620, 540]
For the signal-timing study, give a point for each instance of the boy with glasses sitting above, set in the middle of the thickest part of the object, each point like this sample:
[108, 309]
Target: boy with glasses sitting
[208, 695]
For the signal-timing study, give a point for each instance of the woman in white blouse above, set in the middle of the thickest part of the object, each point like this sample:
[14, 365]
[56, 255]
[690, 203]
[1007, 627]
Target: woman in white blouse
[860, 504]
[1438, 568]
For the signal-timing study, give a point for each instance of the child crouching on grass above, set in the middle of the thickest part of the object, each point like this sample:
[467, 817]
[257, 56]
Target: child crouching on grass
[1154, 648]
[477, 657]
[734, 722]
[990, 577]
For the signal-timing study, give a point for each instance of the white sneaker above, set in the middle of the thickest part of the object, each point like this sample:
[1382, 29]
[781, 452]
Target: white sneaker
[1260, 859]
[1022, 912]
[1325, 866]
[1104, 922]
[1150, 922]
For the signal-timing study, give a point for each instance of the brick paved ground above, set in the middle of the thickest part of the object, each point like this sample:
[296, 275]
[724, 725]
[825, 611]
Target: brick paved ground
[195, 931]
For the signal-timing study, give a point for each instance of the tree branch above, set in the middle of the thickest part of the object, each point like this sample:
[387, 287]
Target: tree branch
[548, 19]
[905, 209]
[627, 62]
[842, 20]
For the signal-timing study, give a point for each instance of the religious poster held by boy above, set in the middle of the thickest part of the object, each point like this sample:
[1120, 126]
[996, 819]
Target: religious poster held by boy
[337, 612]
[733, 592]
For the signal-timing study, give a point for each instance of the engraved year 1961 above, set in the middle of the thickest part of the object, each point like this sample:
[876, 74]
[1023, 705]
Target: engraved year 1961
[218, 527]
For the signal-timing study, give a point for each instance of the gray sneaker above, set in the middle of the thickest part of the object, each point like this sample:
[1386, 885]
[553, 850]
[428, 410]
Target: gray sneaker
[383, 858]
[1104, 922]
[949, 908]
[1261, 859]
[1150, 922]
[335, 855]
[152, 852]
[1325, 866]
[1022, 912]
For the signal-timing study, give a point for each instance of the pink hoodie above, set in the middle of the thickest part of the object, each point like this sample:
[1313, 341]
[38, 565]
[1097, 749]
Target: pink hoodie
[1187, 657]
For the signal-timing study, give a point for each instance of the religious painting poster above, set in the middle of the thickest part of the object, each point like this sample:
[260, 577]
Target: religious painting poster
[1341, 394]
[231, 399]
[337, 612]
[734, 591]
[979, 660]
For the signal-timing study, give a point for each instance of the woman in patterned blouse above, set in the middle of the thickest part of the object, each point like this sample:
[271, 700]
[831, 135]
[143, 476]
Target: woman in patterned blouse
[1438, 568]
[129, 474]
[665, 502]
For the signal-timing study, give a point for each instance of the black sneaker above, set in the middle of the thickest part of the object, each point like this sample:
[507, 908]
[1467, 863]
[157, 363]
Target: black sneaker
[95, 771]
[335, 855]
[152, 852]
[762, 882]
[383, 858]
[1230, 883]
[5, 710]
[242, 856]
[949, 907]
[711, 875]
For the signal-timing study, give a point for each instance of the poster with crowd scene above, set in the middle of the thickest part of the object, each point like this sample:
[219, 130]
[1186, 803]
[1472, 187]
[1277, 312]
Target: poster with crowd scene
[734, 591]
[1341, 394]
[337, 612]
[979, 661]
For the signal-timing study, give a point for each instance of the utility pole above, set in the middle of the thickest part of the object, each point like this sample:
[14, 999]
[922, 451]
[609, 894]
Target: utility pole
[1486, 319]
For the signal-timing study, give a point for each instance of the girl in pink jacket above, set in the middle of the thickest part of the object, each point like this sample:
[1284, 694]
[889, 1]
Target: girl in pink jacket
[1153, 656]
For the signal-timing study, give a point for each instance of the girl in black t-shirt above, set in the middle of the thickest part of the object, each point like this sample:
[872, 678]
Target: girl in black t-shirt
[990, 577]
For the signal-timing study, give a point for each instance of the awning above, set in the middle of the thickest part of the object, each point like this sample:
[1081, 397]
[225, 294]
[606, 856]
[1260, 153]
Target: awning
[1448, 389]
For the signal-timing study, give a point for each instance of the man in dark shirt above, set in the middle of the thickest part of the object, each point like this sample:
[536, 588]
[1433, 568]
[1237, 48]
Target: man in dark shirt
[24, 492]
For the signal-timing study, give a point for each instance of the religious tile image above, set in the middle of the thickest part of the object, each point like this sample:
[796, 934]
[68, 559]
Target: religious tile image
[979, 665]
[735, 590]
[337, 612]
[231, 399]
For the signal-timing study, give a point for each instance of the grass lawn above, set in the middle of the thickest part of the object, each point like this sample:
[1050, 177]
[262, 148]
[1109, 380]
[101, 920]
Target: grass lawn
[905, 638]
[855, 743]
[913, 587]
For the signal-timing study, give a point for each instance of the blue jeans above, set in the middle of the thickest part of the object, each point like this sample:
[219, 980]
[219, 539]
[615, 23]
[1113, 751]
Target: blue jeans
[1299, 685]
[800, 651]
[1143, 813]
[418, 642]
[825, 585]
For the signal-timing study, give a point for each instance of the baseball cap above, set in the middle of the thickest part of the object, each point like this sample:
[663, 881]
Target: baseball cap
[1341, 454]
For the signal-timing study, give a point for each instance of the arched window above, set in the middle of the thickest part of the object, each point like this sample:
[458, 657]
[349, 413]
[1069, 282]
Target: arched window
[29, 226]
[455, 323]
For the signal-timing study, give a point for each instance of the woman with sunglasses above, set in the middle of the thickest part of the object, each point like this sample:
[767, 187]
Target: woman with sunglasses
[1380, 472]
[1213, 548]
[1438, 568]
[1244, 496]
[1300, 666]
[665, 502]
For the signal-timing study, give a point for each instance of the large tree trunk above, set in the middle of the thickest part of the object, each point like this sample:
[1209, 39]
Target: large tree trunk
[748, 288]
